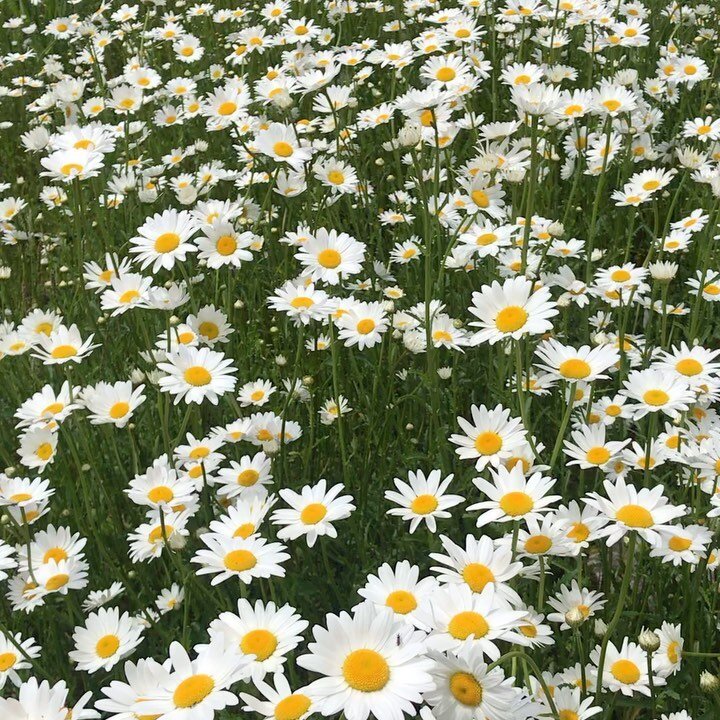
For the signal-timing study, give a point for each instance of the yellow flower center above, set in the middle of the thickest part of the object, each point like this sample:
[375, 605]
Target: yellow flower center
[226, 245]
[197, 376]
[568, 715]
[480, 198]
[69, 168]
[516, 503]
[57, 581]
[578, 532]
[240, 560]
[689, 367]
[313, 513]
[488, 443]
[511, 318]
[538, 544]
[656, 397]
[672, 652]
[651, 185]
[160, 494]
[635, 516]
[625, 671]
[711, 289]
[62, 352]
[329, 258]
[574, 369]
[167, 242]
[119, 410]
[466, 689]
[366, 670]
[44, 451]
[597, 455]
[445, 74]
[468, 623]
[7, 660]
[261, 643]
[193, 690]
[366, 326]
[424, 504]
[57, 554]
[292, 707]
[401, 601]
[611, 105]
[336, 177]
[477, 576]
[227, 108]
[107, 645]
[679, 544]
[283, 149]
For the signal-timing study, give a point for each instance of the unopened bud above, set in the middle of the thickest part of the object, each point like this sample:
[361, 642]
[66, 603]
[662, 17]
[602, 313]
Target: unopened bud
[649, 641]
[709, 682]
[600, 628]
[574, 617]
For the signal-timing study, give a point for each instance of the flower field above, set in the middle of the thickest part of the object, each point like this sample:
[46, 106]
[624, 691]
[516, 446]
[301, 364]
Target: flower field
[359, 359]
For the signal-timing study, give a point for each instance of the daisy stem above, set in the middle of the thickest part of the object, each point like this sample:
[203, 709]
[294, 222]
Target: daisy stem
[650, 681]
[563, 425]
[521, 388]
[581, 655]
[28, 537]
[336, 391]
[541, 583]
[535, 670]
[618, 612]
[530, 204]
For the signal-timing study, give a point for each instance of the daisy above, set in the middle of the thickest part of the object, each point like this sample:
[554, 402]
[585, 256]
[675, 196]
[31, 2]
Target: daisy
[114, 403]
[513, 497]
[625, 669]
[511, 310]
[68, 165]
[7, 561]
[645, 511]
[164, 239]
[399, 588]
[465, 690]
[247, 478]
[170, 598]
[46, 407]
[667, 658]
[141, 680]
[280, 701]
[589, 448]
[63, 345]
[363, 324]
[12, 659]
[693, 365]
[36, 700]
[160, 487]
[658, 391]
[312, 512]
[300, 302]
[243, 558]
[366, 670]
[125, 292]
[328, 255]
[566, 363]
[586, 602]
[281, 143]
[683, 544]
[256, 393]
[422, 499]
[455, 614]
[38, 447]
[569, 703]
[106, 638]
[581, 525]
[263, 633]
[491, 438]
[98, 598]
[221, 244]
[196, 688]
[193, 374]
[477, 565]
[211, 325]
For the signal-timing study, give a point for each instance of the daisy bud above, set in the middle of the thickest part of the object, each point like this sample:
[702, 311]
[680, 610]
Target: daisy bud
[709, 682]
[308, 380]
[238, 304]
[137, 376]
[281, 360]
[596, 254]
[574, 618]
[86, 467]
[600, 628]
[649, 641]
[379, 162]
[444, 372]
[409, 426]
[663, 271]
[174, 320]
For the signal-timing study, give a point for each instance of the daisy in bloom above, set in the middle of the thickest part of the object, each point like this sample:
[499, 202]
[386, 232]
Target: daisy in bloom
[195, 688]
[455, 614]
[667, 658]
[221, 244]
[256, 393]
[581, 524]
[141, 680]
[243, 558]
[280, 142]
[72, 164]
[479, 564]
[7, 561]
[160, 487]
[263, 633]
[646, 511]
[107, 638]
[114, 403]
[399, 588]
[625, 669]
[693, 365]
[12, 659]
[546, 537]
[571, 365]
[280, 701]
[98, 598]
[586, 602]
[247, 478]
[362, 325]
[36, 700]
[422, 499]
[683, 544]
[570, 704]
[658, 391]
[301, 302]
[590, 449]
[125, 293]
[312, 512]
[510, 310]
[491, 438]
[328, 255]
[512, 496]
[63, 345]
[47, 407]
[164, 239]
[366, 670]
[465, 690]
[193, 374]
